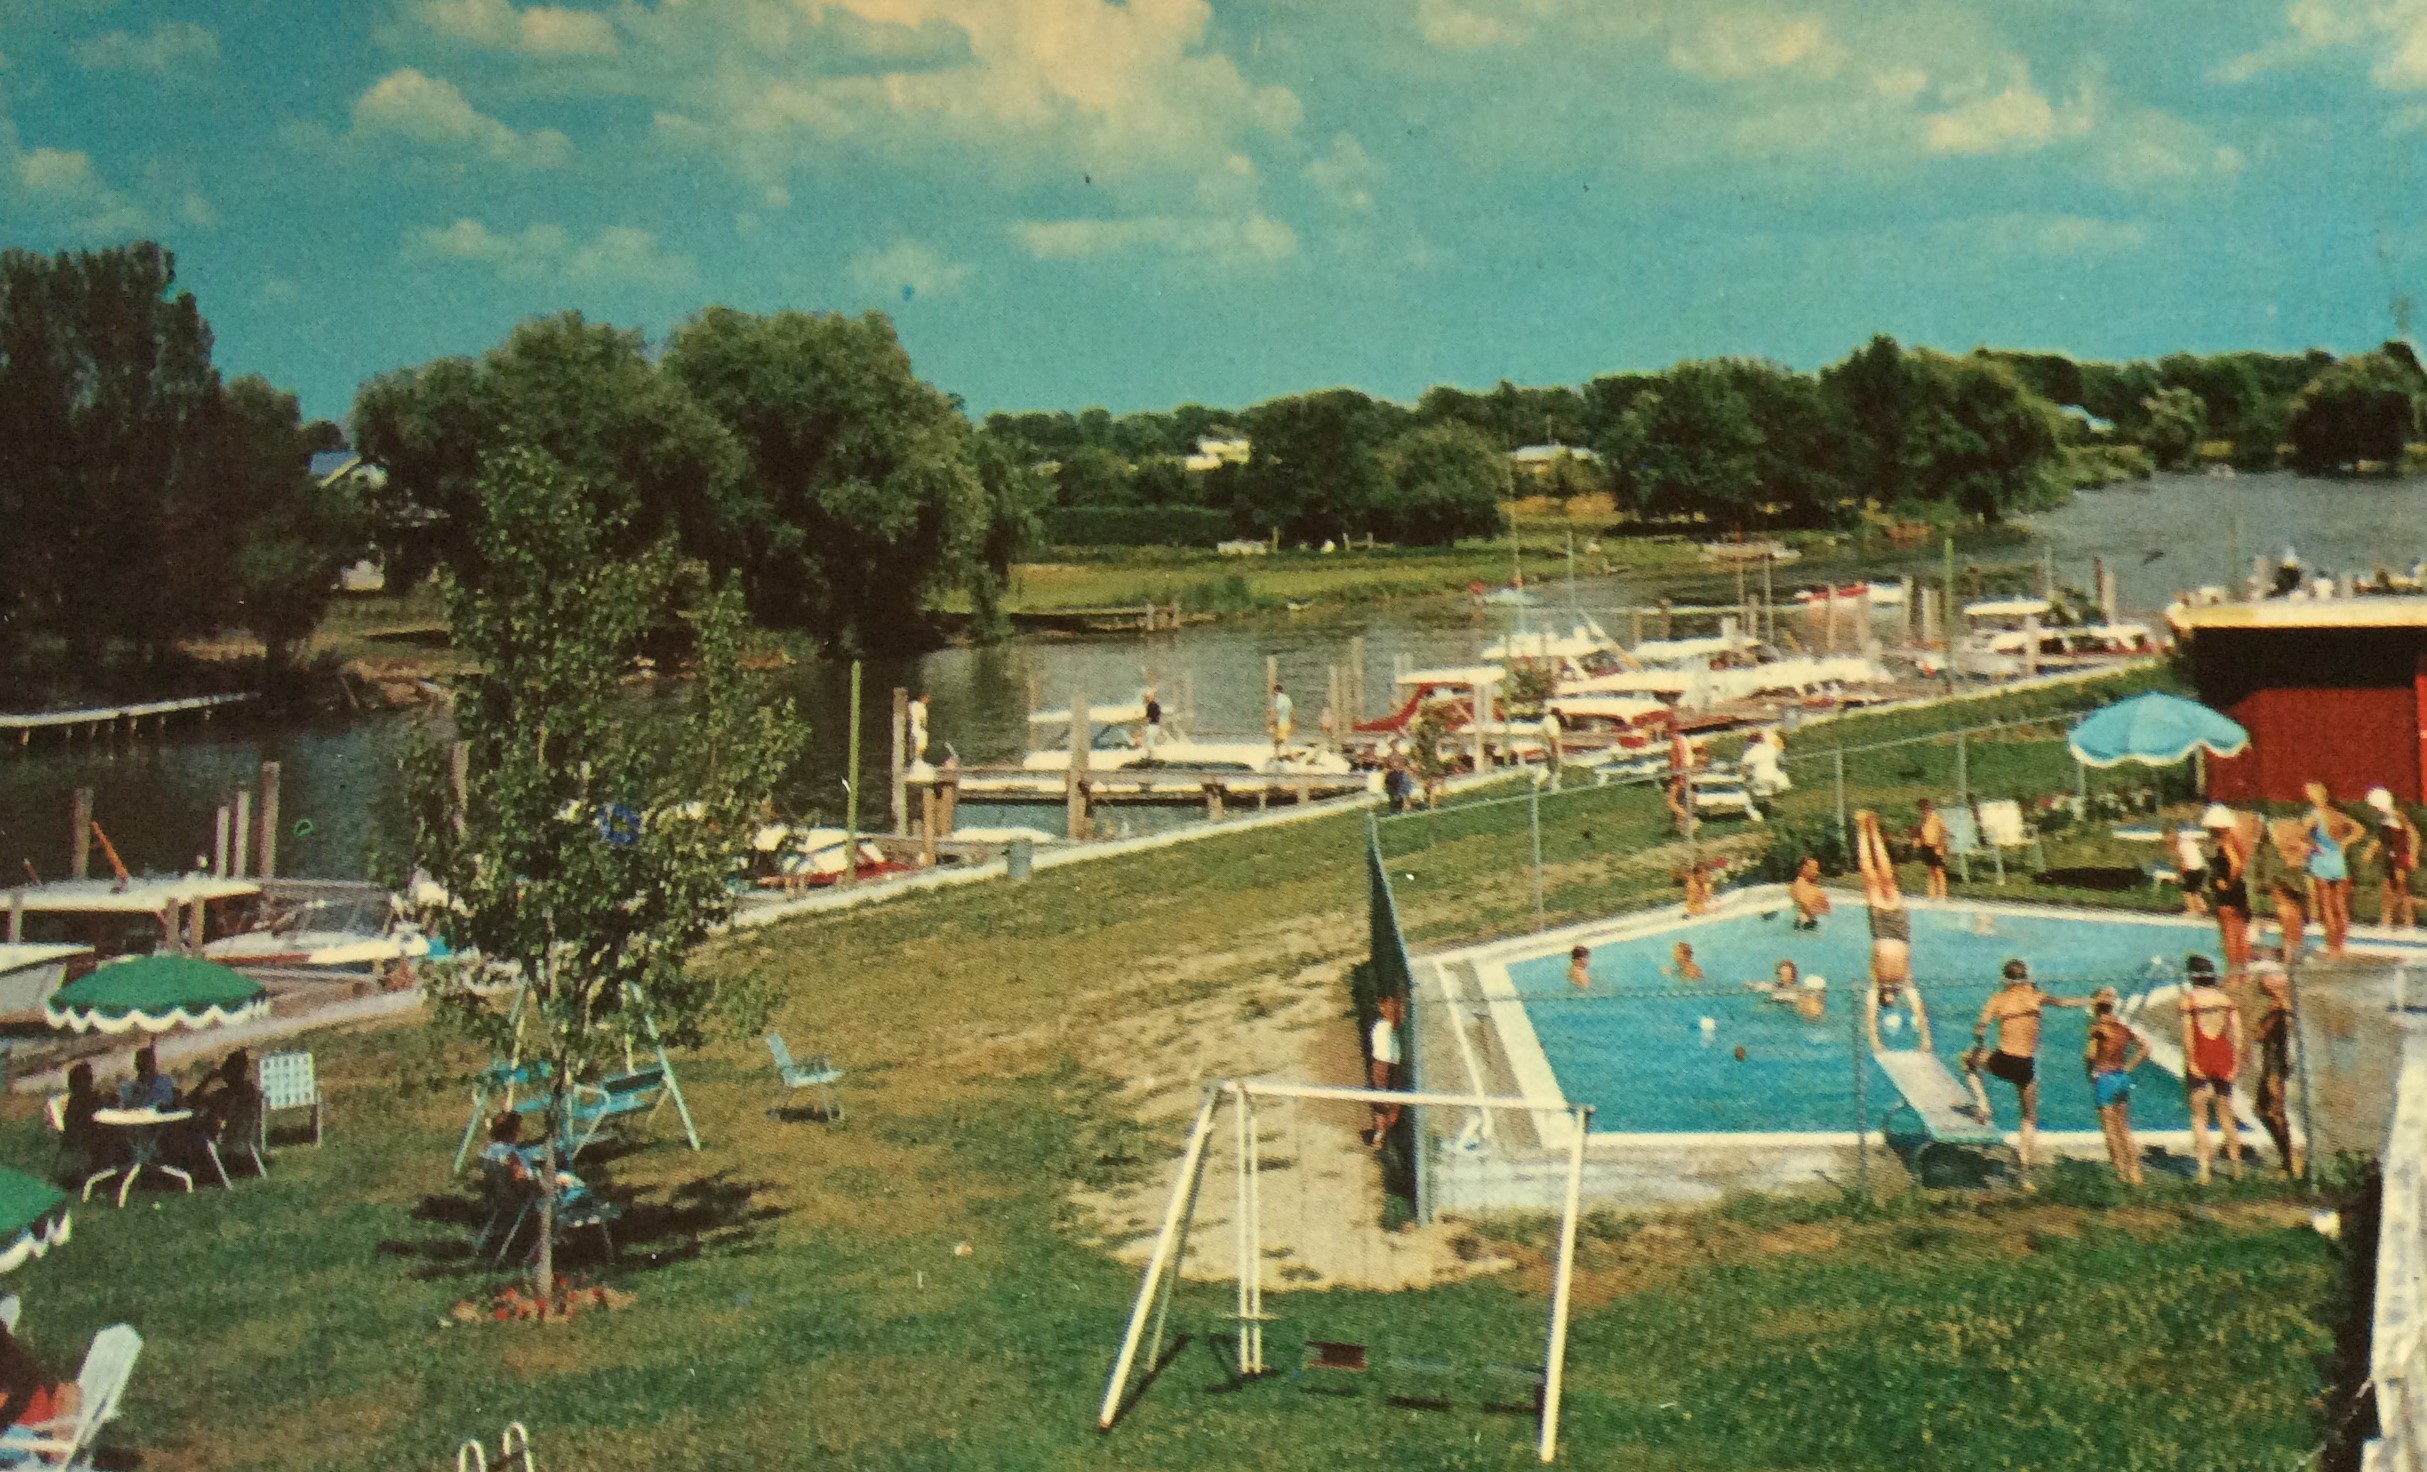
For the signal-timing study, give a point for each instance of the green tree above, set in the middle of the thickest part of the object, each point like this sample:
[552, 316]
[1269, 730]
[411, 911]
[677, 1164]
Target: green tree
[296, 534]
[2176, 421]
[2363, 408]
[868, 503]
[585, 393]
[1094, 476]
[1015, 495]
[1977, 441]
[1690, 446]
[1445, 482]
[595, 837]
[1315, 471]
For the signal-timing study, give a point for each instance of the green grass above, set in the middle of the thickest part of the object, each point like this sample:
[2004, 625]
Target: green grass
[801, 1302]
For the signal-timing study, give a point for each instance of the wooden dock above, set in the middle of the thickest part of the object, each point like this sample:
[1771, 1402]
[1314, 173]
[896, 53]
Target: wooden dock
[1144, 618]
[97, 720]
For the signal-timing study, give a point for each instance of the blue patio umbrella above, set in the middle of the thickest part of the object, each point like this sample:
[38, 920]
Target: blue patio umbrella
[2153, 730]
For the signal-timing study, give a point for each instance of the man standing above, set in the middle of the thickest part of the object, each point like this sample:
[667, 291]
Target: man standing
[1283, 716]
[1382, 1066]
[2014, 1011]
[1930, 844]
[918, 726]
[1154, 722]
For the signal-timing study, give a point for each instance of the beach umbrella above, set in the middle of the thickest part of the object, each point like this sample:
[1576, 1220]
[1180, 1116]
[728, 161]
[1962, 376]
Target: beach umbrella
[2153, 730]
[156, 993]
[33, 1218]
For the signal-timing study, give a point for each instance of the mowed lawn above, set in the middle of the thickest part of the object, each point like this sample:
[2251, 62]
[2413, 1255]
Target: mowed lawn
[801, 1302]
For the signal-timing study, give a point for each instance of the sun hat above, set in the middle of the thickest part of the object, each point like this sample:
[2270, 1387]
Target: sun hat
[2105, 995]
[2217, 816]
[2380, 799]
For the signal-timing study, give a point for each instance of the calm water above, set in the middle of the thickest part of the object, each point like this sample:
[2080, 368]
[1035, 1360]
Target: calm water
[156, 797]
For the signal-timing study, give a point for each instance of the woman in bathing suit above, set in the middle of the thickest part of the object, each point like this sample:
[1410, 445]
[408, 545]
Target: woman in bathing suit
[1891, 933]
[2273, 1054]
[2212, 1050]
[2396, 847]
[2330, 831]
[2228, 876]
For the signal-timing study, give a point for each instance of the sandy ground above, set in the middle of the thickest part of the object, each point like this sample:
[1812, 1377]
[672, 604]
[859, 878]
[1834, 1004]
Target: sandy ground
[1320, 1189]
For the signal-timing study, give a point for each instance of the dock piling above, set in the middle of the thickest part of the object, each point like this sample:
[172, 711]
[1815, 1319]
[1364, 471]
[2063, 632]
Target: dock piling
[1356, 680]
[900, 769]
[269, 820]
[243, 832]
[80, 845]
[1074, 776]
[219, 841]
[16, 916]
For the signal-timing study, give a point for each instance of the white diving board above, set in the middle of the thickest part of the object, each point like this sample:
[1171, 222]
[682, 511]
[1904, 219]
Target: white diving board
[1943, 1105]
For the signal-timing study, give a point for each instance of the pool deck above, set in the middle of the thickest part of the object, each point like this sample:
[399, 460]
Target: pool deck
[1474, 1033]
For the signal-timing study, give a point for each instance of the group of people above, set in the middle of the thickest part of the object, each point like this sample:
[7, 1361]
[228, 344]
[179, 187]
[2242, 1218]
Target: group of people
[225, 1099]
[2311, 877]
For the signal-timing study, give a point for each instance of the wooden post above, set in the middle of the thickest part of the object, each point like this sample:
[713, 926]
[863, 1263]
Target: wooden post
[240, 863]
[2030, 646]
[1074, 776]
[268, 851]
[16, 916]
[1335, 707]
[80, 843]
[1668, 618]
[1635, 617]
[459, 776]
[1905, 623]
[219, 841]
[168, 928]
[1356, 679]
[1483, 712]
[927, 815]
[950, 800]
[195, 919]
[900, 771]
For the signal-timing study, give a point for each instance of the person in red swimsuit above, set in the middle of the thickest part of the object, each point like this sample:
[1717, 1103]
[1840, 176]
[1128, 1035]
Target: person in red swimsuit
[2212, 1051]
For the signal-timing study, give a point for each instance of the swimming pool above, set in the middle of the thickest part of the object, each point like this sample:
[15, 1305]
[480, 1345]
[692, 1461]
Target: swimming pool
[1657, 1055]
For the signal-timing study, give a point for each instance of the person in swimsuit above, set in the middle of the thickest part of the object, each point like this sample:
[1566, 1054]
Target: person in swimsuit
[1680, 781]
[1811, 901]
[2191, 870]
[2109, 1057]
[2396, 849]
[2014, 1011]
[2271, 1050]
[2330, 831]
[1930, 844]
[2291, 922]
[1682, 964]
[2212, 1050]
[1808, 995]
[1891, 934]
[1580, 967]
[2228, 879]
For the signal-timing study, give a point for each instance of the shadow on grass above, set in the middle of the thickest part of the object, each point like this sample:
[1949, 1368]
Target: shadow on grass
[650, 1233]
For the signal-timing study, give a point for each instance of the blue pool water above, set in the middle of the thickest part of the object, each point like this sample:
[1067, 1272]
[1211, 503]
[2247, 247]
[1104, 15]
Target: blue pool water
[1633, 1046]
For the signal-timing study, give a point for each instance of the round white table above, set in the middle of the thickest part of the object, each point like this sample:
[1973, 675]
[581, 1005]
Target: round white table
[140, 1130]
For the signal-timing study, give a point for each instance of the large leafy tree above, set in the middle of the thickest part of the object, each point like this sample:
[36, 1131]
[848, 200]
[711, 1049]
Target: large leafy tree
[1929, 430]
[297, 534]
[2176, 420]
[2362, 408]
[1016, 495]
[1315, 471]
[1691, 444]
[591, 846]
[868, 502]
[1445, 482]
[654, 461]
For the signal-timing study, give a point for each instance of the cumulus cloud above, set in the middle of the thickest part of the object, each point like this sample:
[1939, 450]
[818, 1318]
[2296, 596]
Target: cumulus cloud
[430, 111]
[1344, 175]
[907, 268]
[618, 255]
[1734, 46]
[1253, 240]
[1452, 27]
[2016, 118]
[538, 30]
[59, 187]
[172, 47]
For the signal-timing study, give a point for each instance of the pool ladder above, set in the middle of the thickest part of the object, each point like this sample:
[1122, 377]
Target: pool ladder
[513, 1452]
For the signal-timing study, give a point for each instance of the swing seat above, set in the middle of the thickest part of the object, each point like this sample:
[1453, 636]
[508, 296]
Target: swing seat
[1513, 1388]
[1418, 1380]
[1333, 1367]
[593, 1108]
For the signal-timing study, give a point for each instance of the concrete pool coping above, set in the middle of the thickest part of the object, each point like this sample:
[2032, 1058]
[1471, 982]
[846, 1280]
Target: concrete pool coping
[1529, 1066]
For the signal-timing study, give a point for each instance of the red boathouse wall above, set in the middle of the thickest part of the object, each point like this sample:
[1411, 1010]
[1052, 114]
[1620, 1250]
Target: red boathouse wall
[2349, 739]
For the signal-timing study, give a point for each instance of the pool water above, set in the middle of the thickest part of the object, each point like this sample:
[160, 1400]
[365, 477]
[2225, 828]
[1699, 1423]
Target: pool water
[1635, 1044]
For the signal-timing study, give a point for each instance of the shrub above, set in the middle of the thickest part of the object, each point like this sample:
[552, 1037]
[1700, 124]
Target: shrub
[1134, 526]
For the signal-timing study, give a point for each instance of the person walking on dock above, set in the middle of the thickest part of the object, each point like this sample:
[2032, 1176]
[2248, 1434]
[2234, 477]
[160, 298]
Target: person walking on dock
[1891, 933]
[2227, 876]
[2212, 1051]
[1154, 722]
[2109, 1056]
[1281, 717]
[2396, 850]
[2013, 1010]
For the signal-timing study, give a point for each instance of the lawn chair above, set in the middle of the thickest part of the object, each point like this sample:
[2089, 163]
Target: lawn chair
[240, 1130]
[1964, 842]
[513, 1200]
[819, 1073]
[68, 1442]
[287, 1082]
[2002, 827]
[55, 1111]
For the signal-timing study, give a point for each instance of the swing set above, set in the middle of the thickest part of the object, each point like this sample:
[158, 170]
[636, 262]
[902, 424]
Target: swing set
[591, 1109]
[1339, 1366]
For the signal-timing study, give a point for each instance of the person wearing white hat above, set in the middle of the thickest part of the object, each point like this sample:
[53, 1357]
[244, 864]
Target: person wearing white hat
[2227, 877]
[2396, 848]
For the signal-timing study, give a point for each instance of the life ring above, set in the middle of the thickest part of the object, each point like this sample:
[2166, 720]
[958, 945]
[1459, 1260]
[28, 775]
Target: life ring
[303, 828]
[619, 825]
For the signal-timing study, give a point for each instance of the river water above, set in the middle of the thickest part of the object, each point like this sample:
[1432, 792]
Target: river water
[155, 796]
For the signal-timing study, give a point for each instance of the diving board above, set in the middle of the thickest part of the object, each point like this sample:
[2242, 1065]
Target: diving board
[1943, 1105]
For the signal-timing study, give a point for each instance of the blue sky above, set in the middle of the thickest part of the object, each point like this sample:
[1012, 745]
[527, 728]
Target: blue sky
[1072, 202]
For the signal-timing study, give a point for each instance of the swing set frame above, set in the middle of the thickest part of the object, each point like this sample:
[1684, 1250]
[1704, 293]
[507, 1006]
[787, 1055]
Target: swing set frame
[1161, 1278]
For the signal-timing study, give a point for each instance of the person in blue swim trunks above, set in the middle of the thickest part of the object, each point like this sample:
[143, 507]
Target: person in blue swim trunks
[2109, 1058]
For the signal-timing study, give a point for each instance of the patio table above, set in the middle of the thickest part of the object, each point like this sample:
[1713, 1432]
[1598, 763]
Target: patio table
[140, 1130]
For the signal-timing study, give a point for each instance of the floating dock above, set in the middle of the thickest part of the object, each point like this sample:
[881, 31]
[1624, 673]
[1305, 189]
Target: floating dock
[96, 720]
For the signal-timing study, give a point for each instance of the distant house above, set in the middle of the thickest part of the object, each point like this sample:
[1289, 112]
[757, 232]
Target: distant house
[2088, 421]
[1540, 461]
[1214, 453]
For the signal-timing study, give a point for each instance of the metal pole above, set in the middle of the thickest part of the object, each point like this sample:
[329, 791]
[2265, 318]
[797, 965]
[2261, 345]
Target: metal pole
[1554, 1360]
[1845, 832]
[1183, 1190]
[1862, 1105]
[1533, 827]
[1247, 1263]
[1963, 771]
[851, 789]
[2300, 1063]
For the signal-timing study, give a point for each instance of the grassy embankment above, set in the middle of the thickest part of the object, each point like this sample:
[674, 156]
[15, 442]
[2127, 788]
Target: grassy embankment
[801, 1302]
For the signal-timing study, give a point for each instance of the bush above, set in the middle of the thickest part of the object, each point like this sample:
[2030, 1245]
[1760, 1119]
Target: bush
[1134, 526]
[1794, 840]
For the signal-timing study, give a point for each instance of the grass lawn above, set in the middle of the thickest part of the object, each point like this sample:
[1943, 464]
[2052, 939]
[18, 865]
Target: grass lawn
[801, 1302]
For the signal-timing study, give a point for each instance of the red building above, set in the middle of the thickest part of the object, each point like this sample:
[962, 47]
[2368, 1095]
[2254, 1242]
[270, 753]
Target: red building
[2331, 690]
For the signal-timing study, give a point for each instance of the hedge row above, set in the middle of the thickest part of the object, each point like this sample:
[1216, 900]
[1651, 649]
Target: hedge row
[1135, 526]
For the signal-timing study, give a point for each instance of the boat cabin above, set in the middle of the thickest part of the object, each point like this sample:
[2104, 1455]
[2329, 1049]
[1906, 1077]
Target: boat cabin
[29, 973]
[133, 916]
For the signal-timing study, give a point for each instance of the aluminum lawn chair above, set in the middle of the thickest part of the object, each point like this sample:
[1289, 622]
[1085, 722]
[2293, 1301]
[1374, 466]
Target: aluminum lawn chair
[68, 1442]
[819, 1075]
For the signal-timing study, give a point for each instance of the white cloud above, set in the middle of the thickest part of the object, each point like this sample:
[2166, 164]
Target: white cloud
[618, 255]
[1345, 175]
[1449, 27]
[2061, 234]
[197, 210]
[907, 268]
[1254, 240]
[431, 111]
[172, 47]
[2017, 118]
[60, 186]
[1732, 46]
[538, 30]
[2393, 31]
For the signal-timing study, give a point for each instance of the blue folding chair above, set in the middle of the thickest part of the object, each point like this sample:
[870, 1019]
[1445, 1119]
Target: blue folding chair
[819, 1074]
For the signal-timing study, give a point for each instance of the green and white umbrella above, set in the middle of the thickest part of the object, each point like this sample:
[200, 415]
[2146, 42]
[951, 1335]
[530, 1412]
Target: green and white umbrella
[33, 1218]
[156, 993]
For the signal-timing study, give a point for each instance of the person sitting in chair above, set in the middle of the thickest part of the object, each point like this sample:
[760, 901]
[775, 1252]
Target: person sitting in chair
[149, 1088]
[84, 1146]
[225, 1093]
[30, 1399]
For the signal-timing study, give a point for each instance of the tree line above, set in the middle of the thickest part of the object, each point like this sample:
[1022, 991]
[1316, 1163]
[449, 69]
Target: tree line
[145, 499]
